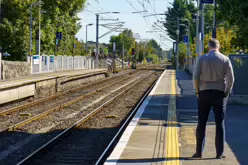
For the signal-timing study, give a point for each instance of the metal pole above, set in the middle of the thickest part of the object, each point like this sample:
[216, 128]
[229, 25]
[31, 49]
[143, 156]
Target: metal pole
[39, 27]
[189, 37]
[97, 37]
[178, 28]
[123, 51]
[0, 24]
[86, 48]
[202, 26]
[200, 29]
[31, 29]
[214, 21]
[0, 63]
[197, 30]
[40, 57]
[113, 60]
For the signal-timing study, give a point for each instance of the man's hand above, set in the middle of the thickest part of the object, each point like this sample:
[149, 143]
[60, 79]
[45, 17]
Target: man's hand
[227, 94]
[197, 94]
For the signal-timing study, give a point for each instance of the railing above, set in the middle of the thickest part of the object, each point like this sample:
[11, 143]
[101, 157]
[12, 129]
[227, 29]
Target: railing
[50, 63]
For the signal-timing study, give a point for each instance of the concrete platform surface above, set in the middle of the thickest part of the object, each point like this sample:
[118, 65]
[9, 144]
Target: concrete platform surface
[163, 129]
[45, 76]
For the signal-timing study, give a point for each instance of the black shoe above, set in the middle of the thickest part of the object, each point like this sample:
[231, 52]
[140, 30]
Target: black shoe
[196, 156]
[220, 157]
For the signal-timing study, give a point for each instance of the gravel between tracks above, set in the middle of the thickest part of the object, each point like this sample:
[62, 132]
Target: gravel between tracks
[90, 139]
[13, 118]
[18, 103]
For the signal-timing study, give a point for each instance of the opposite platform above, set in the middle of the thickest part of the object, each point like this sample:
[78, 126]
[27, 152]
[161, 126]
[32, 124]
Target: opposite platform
[163, 129]
[46, 84]
[48, 75]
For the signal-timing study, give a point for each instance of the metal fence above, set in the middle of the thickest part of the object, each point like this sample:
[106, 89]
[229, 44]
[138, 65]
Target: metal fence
[189, 64]
[240, 68]
[50, 63]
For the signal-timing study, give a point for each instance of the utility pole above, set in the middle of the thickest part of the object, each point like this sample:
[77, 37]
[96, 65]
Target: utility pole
[39, 28]
[86, 44]
[0, 24]
[214, 35]
[31, 29]
[97, 37]
[86, 38]
[123, 52]
[197, 29]
[201, 33]
[188, 38]
[114, 51]
[178, 33]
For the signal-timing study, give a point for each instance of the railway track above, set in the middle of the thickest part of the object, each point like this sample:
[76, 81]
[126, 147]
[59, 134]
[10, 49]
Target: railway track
[74, 144]
[64, 100]
[43, 100]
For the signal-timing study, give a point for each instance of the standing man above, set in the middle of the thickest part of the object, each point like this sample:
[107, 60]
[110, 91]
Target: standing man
[213, 81]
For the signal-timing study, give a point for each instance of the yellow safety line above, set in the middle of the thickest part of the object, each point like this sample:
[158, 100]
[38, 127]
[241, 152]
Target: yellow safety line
[172, 143]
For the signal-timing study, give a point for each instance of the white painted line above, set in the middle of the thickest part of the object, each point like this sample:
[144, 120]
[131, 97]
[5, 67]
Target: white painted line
[121, 145]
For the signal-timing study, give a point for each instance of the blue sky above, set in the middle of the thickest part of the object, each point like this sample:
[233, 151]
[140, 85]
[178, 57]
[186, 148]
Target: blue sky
[132, 21]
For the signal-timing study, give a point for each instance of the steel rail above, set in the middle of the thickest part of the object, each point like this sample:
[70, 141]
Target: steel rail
[59, 107]
[22, 107]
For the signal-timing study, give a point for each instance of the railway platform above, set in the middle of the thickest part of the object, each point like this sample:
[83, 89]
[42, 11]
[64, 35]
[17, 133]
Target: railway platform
[163, 129]
[46, 83]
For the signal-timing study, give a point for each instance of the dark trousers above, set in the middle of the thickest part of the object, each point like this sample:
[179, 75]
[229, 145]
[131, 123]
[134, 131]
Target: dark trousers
[211, 99]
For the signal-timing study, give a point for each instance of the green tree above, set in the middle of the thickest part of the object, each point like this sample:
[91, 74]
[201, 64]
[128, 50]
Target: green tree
[126, 38]
[182, 52]
[236, 13]
[60, 15]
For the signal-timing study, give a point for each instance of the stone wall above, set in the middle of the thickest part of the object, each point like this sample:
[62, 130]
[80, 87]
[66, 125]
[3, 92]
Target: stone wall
[14, 69]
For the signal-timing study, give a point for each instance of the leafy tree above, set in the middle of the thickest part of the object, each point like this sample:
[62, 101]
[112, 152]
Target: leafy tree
[126, 38]
[182, 52]
[236, 13]
[60, 15]
[225, 36]
[178, 10]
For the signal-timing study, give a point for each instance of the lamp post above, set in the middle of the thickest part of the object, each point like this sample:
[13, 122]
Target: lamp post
[177, 46]
[86, 46]
[31, 24]
[214, 35]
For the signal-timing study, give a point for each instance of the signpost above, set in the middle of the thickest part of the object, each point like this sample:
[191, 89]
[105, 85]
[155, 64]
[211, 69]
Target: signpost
[58, 38]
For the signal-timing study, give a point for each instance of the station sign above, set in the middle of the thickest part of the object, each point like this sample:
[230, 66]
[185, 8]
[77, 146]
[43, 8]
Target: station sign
[174, 47]
[207, 1]
[185, 39]
[51, 59]
[59, 35]
[36, 60]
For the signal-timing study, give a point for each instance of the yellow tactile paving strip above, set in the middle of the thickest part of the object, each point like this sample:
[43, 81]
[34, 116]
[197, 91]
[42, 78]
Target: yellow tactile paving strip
[172, 142]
